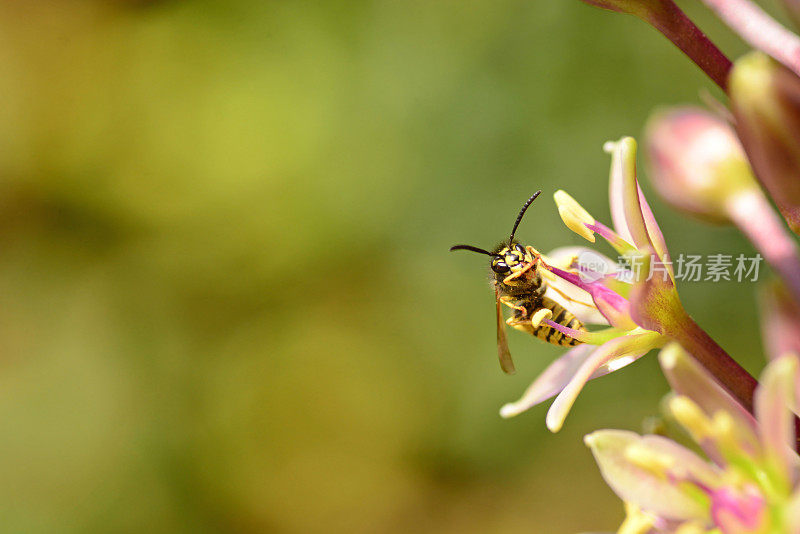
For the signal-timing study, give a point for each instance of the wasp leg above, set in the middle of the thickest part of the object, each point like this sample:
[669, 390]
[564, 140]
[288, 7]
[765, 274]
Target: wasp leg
[535, 253]
[508, 301]
[517, 274]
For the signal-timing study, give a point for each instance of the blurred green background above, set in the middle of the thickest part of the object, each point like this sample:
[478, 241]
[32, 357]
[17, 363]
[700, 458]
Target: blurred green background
[226, 301]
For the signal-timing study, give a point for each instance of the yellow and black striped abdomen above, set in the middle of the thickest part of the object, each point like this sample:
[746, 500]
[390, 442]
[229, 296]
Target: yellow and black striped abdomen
[560, 316]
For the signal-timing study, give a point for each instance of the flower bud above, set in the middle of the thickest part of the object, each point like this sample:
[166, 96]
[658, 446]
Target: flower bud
[696, 161]
[765, 97]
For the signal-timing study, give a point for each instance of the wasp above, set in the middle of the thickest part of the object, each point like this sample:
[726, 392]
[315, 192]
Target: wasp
[519, 285]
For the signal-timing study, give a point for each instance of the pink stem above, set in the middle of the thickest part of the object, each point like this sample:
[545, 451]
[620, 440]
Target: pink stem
[760, 30]
[730, 375]
[678, 28]
[755, 217]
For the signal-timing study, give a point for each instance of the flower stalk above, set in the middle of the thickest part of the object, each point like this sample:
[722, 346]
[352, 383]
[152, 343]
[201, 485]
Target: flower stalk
[730, 375]
[672, 22]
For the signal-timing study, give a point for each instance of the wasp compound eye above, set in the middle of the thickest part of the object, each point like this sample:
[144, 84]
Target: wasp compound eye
[500, 267]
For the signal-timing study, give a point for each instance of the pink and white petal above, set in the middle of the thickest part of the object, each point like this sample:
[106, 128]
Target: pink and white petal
[655, 234]
[631, 345]
[624, 193]
[576, 301]
[774, 395]
[688, 378]
[617, 363]
[687, 464]
[616, 185]
[550, 382]
[565, 258]
[635, 484]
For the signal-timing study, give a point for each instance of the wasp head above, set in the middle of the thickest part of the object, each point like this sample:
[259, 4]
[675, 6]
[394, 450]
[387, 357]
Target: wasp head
[510, 259]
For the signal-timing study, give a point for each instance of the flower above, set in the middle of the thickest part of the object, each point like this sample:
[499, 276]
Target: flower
[638, 303]
[749, 481]
[696, 162]
[699, 166]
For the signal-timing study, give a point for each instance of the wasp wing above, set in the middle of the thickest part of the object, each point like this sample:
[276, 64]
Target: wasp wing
[506, 363]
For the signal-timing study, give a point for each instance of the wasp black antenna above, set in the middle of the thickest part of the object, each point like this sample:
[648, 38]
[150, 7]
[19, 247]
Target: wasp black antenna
[473, 249]
[521, 214]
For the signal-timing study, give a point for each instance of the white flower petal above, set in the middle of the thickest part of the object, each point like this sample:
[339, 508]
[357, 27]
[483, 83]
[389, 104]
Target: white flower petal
[639, 485]
[550, 382]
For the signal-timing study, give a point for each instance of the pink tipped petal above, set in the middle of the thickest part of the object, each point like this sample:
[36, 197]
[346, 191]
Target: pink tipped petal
[576, 301]
[774, 396]
[654, 232]
[760, 30]
[633, 345]
[755, 217]
[550, 382]
[636, 484]
[564, 257]
[688, 465]
[688, 378]
[616, 186]
[624, 193]
[615, 364]
[629, 208]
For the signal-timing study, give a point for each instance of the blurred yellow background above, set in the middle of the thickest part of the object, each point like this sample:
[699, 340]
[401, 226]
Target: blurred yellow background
[226, 301]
